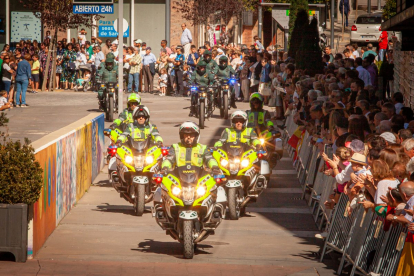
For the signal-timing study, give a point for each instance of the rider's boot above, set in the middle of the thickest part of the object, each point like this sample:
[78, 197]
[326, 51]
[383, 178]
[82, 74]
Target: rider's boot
[233, 101]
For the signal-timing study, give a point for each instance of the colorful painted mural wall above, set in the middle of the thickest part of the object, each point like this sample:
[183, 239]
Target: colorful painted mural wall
[70, 165]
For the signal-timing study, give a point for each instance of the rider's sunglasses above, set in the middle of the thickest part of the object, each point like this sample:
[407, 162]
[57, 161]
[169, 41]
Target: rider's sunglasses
[140, 116]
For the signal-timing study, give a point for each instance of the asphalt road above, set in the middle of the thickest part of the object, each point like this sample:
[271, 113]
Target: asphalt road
[101, 235]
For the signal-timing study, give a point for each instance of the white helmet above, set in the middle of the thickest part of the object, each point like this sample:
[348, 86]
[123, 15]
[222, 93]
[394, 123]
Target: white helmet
[141, 110]
[239, 114]
[189, 127]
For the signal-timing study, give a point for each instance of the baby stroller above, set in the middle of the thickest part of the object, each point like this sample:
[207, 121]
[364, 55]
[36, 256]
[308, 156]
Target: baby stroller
[87, 84]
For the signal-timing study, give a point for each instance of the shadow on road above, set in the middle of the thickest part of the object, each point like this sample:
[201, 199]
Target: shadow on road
[121, 209]
[168, 248]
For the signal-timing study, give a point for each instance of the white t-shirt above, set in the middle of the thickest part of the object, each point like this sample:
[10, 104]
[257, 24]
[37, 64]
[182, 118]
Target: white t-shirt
[81, 58]
[6, 67]
[82, 39]
[170, 64]
[126, 64]
[382, 189]
[356, 54]
[3, 101]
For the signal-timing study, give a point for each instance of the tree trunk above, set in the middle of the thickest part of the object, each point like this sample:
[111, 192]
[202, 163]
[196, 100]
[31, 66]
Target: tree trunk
[46, 72]
[53, 84]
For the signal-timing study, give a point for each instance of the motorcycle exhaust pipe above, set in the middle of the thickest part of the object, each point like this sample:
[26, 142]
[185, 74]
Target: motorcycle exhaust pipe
[200, 237]
[245, 202]
[174, 235]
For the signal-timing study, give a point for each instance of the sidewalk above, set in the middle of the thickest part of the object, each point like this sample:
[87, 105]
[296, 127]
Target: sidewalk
[48, 112]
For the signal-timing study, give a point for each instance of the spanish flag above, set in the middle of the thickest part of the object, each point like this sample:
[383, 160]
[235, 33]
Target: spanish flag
[296, 140]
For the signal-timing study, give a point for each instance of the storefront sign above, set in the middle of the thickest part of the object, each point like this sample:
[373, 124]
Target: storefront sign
[93, 9]
[25, 26]
[108, 28]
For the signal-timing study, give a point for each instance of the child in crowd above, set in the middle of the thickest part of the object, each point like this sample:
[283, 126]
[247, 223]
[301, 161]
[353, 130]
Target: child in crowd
[355, 191]
[86, 77]
[162, 81]
[344, 155]
[4, 104]
[35, 73]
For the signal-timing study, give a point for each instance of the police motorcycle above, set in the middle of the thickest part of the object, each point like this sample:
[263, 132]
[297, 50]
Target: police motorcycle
[115, 131]
[186, 204]
[246, 171]
[202, 95]
[268, 135]
[223, 95]
[108, 88]
[138, 158]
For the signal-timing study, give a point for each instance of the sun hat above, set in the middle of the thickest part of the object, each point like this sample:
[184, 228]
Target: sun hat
[359, 159]
[138, 41]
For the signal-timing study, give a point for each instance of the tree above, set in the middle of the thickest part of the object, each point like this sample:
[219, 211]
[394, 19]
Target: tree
[309, 55]
[301, 21]
[295, 6]
[58, 15]
[198, 12]
[390, 9]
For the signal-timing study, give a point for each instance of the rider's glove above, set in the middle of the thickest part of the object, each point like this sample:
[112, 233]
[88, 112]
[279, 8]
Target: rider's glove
[118, 143]
[164, 171]
[159, 144]
[113, 126]
[216, 170]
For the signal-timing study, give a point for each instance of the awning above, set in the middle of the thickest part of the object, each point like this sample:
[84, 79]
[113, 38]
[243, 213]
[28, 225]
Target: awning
[401, 22]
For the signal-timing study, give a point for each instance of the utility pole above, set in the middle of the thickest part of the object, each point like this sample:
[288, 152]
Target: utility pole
[332, 23]
[260, 21]
[379, 5]
[120, 55]
[369, 6]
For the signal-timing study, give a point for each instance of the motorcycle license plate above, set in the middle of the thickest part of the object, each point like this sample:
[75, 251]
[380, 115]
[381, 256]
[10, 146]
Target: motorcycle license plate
[140, 180]
[188, 215]
[233, 183]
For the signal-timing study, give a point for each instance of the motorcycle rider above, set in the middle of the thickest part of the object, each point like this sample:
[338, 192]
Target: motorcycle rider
[141, 127]
[239, 132]
[225, 71]
[212, 66]
[260, 120]
[107, 73]
[203, 78]
[188, 151]
[125, 117]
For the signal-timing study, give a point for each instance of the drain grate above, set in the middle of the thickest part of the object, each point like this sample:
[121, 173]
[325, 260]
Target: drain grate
[295, 198]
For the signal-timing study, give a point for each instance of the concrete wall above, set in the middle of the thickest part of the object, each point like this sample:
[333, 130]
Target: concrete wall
[71, 159]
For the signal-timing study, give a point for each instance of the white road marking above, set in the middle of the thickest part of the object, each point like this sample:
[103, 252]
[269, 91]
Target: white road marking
[280, 210]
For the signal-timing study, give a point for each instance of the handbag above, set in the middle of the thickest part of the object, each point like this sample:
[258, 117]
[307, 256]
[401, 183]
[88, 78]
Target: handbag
[72, 66]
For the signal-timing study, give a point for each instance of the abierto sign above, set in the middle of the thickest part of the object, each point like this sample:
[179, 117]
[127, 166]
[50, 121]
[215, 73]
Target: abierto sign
[96, 2]
[93, 9]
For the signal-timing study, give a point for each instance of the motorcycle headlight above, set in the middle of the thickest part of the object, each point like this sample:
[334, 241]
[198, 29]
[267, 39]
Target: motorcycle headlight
[225, 86]
[176, 191]
[112, 90]
[262, 141]
[224, 162]
[201, 191]
[203, 94]
[149, 159]
[245, 163]
[102, 85]
[128, 159]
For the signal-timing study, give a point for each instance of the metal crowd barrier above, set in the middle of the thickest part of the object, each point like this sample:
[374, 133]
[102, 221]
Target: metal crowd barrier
[358, 236]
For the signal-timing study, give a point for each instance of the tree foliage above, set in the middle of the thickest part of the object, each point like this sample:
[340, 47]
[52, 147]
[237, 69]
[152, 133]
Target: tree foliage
[390, 9]
[199, 11]
[58, 14]
[295, 6]
[21, 176]
[301, 21]
[309, 55]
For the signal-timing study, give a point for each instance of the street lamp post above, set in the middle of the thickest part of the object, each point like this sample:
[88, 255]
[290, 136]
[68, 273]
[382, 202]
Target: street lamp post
[120, 54]
[332, 22]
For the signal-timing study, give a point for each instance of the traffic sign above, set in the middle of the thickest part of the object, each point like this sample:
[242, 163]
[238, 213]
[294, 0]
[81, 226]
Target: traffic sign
[93, 9]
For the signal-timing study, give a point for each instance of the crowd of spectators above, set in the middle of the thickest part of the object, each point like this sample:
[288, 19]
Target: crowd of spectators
[371, 135]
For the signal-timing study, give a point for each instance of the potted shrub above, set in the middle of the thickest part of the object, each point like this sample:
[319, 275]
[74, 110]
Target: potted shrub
[21, 179]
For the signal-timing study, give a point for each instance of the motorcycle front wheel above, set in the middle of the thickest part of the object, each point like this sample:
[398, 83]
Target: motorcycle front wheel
[201, 116]
[188, 241]
[225, 106]
[234, 208]
[111, 109]
[139, 200]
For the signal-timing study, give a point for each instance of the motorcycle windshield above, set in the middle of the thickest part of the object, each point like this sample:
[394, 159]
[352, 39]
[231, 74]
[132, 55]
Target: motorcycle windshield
[189, 175]
[139, 145]
[235, 149]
